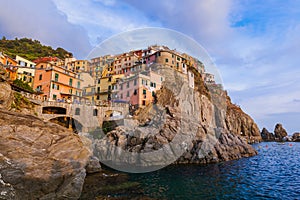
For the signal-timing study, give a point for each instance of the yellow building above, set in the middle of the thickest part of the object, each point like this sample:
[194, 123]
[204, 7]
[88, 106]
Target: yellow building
[172, 59]
[89, 93]
[98, 64]
[26, 74]
[106, 87]
[78, 66]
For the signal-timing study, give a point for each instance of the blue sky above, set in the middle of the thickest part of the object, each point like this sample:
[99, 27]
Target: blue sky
[254, 44]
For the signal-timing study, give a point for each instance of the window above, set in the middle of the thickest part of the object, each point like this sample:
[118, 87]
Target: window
[98, 81]
[135, 81]
[172, 55]
[56, 77]
[24, 78]
[40, 77]
[121, 96]
[144, 91]
[95, 112]
[70, 82]
[109, 79]
[54, 97]
[109, 87]
[135, 92]
[167, 60]
[143, 102]
[77, 111]
[39, 88]
[128, 94]
[30, 79]
[127, 84]
[178, 58]
[70, 91]
[78, 85]
[98, 89]
[98, 97]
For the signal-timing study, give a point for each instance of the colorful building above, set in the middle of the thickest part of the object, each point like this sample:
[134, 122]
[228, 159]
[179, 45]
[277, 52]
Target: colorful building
[57, 83]
[78, 65]
[89, 93]
[123, 62]
[139, 89]
[26, 74]
[24, 62]
[106, 87]
[98, 64]
[6, 60]
[11, 71]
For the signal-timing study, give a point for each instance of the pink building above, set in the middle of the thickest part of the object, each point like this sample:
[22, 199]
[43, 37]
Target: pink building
[139, 89]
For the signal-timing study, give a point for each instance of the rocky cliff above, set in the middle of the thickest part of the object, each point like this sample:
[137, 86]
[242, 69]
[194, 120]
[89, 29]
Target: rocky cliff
[185, 125]
[38, 160]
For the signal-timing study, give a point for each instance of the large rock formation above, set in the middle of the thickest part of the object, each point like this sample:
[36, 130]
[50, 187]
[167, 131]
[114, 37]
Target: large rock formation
[6, 95]
[280, 132]
[186, 125]
[239, 123]
[267, 136]
[38, 160]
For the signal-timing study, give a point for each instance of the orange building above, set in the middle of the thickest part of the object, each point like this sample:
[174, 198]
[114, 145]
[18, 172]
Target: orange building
[6, 60]
[57, 83]
[12, 71]
[9, 65]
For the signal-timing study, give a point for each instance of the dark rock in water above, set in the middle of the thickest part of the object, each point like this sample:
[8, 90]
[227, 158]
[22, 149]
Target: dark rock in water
[280, 132]
[296, 137]
[267, 136]
[39, 160]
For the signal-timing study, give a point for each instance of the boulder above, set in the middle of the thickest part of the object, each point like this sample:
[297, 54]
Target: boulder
[39, 160]
[296, 137]
[280, 132]
[267, 136]
[6, 95]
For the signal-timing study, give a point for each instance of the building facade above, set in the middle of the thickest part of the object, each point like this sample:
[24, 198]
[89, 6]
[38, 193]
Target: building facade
[139, 89]
[57, 83]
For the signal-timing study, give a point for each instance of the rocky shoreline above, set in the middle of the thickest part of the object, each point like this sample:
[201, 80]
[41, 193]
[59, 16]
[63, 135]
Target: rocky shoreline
[280, 135]
[42, 160]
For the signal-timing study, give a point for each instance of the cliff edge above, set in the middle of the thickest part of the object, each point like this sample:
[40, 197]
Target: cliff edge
[184, 125]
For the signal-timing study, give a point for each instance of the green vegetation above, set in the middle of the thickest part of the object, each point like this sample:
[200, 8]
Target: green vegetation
[30, 49]
[23, 85]
[19, 101]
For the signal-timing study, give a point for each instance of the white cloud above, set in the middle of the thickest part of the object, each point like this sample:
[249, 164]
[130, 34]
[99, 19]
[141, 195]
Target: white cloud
[42, 21]
[103, 18]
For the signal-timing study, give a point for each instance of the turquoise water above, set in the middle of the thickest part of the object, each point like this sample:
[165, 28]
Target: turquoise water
[273, 174]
